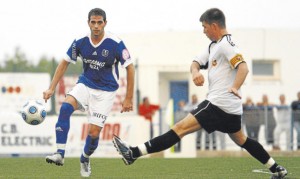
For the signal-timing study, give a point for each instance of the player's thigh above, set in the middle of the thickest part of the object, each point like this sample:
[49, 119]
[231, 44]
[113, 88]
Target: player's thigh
[187, 125]
[78, 96]
[238, 137]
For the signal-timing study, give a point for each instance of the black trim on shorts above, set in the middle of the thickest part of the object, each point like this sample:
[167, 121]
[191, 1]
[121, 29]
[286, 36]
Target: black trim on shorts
[212, 118]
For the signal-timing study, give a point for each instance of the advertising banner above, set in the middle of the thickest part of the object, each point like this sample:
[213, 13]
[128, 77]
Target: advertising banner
[20, 138]
[17, 88]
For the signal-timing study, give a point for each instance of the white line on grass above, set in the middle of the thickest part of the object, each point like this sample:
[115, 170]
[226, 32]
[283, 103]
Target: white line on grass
[262, 171]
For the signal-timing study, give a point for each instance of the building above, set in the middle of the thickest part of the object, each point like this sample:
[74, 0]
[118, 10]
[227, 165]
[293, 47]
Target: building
[164, 60]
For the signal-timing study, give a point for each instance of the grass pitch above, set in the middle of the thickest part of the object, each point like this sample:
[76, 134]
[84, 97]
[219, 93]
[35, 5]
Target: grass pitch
[147, 168]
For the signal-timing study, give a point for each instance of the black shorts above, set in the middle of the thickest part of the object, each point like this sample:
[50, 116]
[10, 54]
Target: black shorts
[212, 118]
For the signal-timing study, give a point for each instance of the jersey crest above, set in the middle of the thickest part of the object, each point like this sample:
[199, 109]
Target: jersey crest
[214, 63]
[104, 53]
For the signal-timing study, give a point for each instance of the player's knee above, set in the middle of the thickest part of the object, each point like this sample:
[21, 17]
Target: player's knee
[187, 125]
[66, 110]
[239, 139]
[179, 129]
[94, 134]
[94, 131]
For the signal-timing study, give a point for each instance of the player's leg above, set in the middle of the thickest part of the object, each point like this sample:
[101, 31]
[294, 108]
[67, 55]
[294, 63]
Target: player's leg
[258, 152]
[76, 99]
[287, 132]
[297, 127]
[187, 125]
[197, 119]
[100, 104]
[62, 129]
[91, 144]
[277, 132]
[198, 139]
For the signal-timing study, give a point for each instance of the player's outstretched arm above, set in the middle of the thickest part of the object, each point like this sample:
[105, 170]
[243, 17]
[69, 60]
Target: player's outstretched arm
[59, 72]
[127, 103]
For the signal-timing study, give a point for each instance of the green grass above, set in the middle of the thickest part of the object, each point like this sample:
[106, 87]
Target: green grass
[146, 168]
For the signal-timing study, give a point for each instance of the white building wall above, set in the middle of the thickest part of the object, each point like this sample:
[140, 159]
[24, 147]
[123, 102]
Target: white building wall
[272, 44]
[161, 52]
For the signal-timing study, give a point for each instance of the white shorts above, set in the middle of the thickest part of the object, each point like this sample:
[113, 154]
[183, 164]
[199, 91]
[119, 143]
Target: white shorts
[96, 102]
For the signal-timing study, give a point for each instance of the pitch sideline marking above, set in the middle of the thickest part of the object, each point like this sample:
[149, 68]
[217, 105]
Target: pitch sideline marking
[261, 171]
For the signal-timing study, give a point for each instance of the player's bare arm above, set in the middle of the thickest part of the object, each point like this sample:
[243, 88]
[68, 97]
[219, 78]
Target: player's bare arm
[59, 72]
[197, 77]
[242, 71]
[127, 105]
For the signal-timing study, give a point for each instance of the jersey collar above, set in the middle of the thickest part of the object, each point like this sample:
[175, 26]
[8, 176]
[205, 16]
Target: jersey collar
[97, 45]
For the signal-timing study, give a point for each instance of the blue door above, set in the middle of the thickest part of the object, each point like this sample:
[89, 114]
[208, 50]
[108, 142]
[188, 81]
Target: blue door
[179, 90]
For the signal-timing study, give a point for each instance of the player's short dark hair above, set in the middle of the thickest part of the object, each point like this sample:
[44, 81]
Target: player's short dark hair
[214, 15]
[97, 12]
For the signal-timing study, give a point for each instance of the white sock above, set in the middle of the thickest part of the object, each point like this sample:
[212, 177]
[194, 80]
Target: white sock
[60, 146]
[85, 155]
[143, 149]
[270, 162]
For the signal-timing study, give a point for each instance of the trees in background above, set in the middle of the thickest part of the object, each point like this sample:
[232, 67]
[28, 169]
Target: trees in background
[19, 63]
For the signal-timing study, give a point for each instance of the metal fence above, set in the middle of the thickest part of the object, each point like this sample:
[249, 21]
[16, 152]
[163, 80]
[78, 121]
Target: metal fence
[275, 127]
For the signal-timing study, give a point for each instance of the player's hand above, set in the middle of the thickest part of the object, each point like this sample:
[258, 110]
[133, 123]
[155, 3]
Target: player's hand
[127, 105]
[198, 79]
[235, 92]
[47, 94]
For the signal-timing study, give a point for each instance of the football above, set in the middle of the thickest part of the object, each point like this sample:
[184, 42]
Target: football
[33, 112]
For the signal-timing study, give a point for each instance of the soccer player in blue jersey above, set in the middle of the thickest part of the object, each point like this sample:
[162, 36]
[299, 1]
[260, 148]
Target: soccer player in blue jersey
[222, 109]
[95, 91]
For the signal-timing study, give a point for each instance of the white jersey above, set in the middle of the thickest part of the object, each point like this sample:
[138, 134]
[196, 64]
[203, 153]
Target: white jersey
[221, 59]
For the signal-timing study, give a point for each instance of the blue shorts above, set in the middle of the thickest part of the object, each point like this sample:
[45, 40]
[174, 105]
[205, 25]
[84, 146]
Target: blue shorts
[212, 118]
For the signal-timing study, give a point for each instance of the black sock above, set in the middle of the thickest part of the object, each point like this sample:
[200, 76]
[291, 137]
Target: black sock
[135, 152]
[158, 143]
[273, 168]
[256, 150]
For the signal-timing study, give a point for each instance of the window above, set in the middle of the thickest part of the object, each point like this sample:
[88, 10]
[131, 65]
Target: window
[265, 69]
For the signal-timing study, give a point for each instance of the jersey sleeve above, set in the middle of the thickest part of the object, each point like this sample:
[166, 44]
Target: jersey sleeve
[123, 55]
[72, 52]
[233, 55]
[202, 59]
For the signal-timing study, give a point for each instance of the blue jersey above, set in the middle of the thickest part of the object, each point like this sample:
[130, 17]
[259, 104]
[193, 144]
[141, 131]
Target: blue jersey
[100, 62]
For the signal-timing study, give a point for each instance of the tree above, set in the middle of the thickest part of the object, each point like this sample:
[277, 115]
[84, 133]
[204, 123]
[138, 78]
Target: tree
[19, 63]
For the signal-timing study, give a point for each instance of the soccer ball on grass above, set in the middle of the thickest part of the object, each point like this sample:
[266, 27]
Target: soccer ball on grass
[33, 112]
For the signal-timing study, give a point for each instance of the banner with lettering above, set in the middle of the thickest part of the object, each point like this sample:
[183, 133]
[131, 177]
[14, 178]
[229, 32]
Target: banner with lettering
[20, 138]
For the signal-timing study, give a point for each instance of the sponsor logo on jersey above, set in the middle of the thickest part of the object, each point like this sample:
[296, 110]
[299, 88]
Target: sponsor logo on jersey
[94, 64]
[104, 53]
[125, 54]
[74, 54]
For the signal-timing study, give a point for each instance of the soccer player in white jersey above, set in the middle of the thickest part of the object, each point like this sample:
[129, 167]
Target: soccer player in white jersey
[222, 109]
[95, 91]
